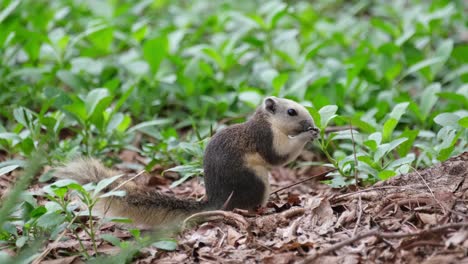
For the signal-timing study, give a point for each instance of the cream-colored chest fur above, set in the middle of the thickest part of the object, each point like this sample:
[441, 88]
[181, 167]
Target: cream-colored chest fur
[283, 145]
[260, 167]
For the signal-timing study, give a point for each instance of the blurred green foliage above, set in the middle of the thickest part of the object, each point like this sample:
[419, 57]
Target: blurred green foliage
[84, 77]
[88, 77]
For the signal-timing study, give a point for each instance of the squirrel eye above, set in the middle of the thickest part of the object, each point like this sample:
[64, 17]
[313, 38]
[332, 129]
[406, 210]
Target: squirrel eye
[292, 112]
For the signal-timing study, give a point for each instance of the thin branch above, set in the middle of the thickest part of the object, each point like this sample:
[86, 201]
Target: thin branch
[225, 205]
[107, 205]
[299, 182]
[126, 181]
[429, 188]
[356, 181]
[358, 221]
[48, 249]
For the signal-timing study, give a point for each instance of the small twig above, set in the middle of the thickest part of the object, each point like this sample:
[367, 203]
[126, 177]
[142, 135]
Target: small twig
[227, 201]
[356, 180]
[382, 235]
[107, 205]
[48, 249]
[331, 129]
[430, 190]
[425, 200]
[128, 180]
[342, 196]
[292, 212]
[358, 221]
[299, 182]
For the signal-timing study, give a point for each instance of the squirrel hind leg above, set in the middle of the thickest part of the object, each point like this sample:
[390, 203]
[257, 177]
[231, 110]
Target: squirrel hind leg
[245, 190]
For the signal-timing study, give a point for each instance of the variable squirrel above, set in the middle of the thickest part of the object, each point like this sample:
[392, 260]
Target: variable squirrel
[236, 166]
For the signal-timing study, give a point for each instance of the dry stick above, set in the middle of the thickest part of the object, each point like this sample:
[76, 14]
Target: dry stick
[126, 181]
[108, 203]
[356, 182]
[430, 190]
[299, 182]
[387, 235]
[342, 196]
[47, 251]
[225, 205]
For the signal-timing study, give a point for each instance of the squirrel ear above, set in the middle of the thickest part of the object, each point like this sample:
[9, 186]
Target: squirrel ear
[270, 104]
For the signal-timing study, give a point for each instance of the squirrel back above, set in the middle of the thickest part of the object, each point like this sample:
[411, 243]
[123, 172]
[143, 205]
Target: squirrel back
[144, 207]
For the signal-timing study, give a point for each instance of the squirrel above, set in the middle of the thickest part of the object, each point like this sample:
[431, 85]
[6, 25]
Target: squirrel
[236, 166]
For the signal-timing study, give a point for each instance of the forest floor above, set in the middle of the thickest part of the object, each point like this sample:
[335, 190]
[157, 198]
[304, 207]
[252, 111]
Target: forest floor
[420, 217]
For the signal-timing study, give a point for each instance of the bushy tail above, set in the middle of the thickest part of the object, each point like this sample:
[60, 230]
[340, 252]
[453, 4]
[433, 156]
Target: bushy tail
[142, 206]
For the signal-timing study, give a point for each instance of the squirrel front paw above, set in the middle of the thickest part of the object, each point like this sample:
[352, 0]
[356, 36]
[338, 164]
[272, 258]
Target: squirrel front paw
[310, 134]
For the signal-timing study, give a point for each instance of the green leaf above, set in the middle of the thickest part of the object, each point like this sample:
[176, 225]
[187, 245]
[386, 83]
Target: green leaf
[402, 161]
[111, 239]
[154, 51]
[38, 211]
[463, 122]
[367, 160]
[445, 153]
[252, 97]
[156, 122]
[168, 245]
[186, 171]
[443, 51]
[23, 116]
[390, 124]
[50, 220]
[386, 174]
[406, 146]
[118, 193]
[8, 169]
[327, 113]
[102, 38]
[214, 56]
[423, 64]
[46, 176]
[428, 99]
[9, 9]
[278, 83]
[77, 110]
[119, 220]
[384, 149]
[399, 110]
[70, 79]
[447, 119]
[315, 116]
[94, 98]
[135, 233]
[385, 26]
[21, 241]
[106, 182]
[388, 128]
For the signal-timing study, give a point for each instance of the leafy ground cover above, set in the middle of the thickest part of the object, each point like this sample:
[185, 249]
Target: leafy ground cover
[144, 84]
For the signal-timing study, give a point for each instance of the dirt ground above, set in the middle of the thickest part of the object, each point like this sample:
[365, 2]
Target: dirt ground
[420, 217]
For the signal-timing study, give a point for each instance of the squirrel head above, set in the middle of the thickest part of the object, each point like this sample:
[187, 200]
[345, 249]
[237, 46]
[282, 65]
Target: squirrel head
[288, 117]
